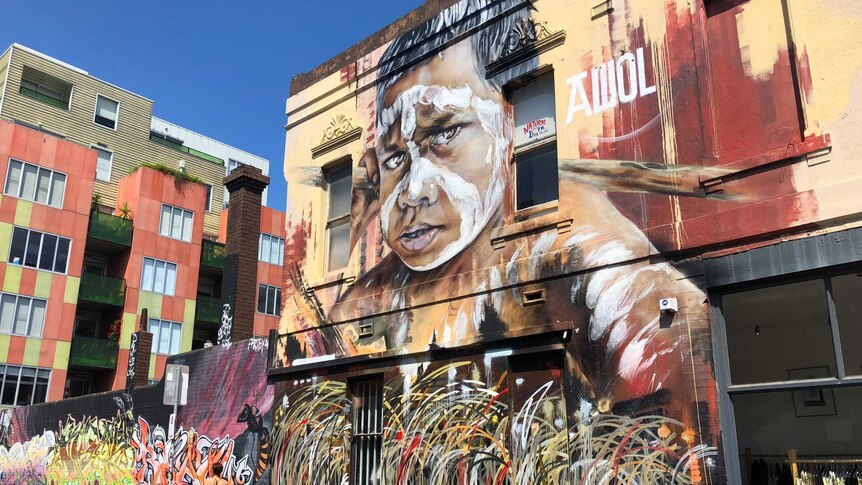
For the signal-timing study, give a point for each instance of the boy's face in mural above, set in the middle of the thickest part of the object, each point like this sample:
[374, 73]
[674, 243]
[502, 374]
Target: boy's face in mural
[444, 143]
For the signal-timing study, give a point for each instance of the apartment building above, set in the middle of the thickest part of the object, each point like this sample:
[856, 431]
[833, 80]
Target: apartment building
[132, 205]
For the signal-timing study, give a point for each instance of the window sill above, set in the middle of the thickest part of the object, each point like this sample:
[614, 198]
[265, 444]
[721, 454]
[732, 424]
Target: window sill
[539, 223]
[332, 279]
[34, 268]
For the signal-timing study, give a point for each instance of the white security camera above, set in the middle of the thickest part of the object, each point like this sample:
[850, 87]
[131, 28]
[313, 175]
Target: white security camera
[668, 305]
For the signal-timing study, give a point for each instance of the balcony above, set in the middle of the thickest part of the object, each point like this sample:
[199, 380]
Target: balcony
[93, 352]
[103, 290]
[212, 254]
[109, 234]
[208, 309]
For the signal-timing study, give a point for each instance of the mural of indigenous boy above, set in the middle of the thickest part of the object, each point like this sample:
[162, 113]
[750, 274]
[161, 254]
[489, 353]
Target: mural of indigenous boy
[438, 178]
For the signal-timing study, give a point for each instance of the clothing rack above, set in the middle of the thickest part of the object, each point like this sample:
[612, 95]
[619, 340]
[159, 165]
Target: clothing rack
[795, 461]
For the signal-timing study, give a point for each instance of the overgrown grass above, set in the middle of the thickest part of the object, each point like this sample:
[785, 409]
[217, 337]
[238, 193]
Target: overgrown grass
[176, 174]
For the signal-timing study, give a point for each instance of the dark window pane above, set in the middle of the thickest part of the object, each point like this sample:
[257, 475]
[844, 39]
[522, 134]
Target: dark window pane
[261, 298]
[33, 243]
[26, 387]
[819, 421]
[19, 243]
[41, 386]
[278, 301]
[536, 173]
[10, 385]
[847, 292]
[49, 246]
[62, 255]
[771, 331]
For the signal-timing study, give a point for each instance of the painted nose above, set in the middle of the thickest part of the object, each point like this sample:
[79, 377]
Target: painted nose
[421, 186]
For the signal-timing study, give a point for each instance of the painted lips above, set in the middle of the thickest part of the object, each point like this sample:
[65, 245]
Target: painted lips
[417, 238]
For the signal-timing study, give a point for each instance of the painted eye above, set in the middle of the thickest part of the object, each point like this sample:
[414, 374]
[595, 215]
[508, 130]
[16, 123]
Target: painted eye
[445, 136]
[395, 161]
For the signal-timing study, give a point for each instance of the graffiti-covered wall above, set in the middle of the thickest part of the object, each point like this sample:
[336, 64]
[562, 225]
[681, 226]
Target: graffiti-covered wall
[123, 438]
[549, 172]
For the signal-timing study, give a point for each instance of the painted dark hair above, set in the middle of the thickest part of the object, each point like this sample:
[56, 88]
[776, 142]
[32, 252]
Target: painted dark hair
[217, 469]
[487, 22]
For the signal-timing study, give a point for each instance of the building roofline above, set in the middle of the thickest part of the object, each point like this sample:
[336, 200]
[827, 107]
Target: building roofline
[365, 46]
[75, 69]
[212, 139]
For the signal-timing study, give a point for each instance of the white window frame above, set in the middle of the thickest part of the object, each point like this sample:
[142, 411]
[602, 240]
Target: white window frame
[96, 111]
[39, 370]
[151, 287]
[277, 295]
[176, 212]
[231, 161]
[208, 206]
[280, 251]
[39, 169]
[525, 149]
[156, 326]
[110, 162]
[336, 220]
[16, 302]
[39, 258]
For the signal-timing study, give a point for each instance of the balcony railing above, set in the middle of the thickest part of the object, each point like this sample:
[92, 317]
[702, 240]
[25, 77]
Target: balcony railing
[111, 228]
[102, 289]
[208, 309]
[185, 149]
[93, 352]
[212, 254]
[44, 98]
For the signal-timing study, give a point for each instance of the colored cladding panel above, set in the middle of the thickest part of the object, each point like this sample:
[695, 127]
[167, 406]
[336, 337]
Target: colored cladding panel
[188, 326]
[127, 330]
[44, 281]
[12, 279]
[152, 302]
[23, 213]
[32, 349]
[70, 292]
[151, 374]
[5, 240]
[61, 355]
[4, 347]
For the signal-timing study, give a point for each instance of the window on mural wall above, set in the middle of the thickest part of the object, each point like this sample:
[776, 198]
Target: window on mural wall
[22, 385]
[340, 182]
[158, 276]
[22, 315]
[367, 440]
[269, 299]
[743, 65]
[166, 336]
[271, 249]
[535, 142]
[176, 223]
[39, 250]
[34, 183]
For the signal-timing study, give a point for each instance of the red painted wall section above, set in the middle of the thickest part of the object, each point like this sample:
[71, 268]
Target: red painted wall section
[272, 223]
[78, 163]
[145, 191]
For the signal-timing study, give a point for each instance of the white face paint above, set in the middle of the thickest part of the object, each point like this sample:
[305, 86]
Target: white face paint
[426, 177]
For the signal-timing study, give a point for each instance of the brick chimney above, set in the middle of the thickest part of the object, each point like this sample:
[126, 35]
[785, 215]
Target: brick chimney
[140, 350]
[239, 283]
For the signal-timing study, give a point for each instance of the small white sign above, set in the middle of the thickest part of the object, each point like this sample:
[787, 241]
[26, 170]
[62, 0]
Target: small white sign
[172, 422]
[171, 391]
[534, 131]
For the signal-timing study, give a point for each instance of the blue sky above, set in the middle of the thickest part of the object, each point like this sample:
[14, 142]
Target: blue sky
[218, 67]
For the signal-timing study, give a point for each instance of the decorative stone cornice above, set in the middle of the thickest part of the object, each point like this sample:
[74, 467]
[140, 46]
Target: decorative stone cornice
[528, 38]
[341, 130]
